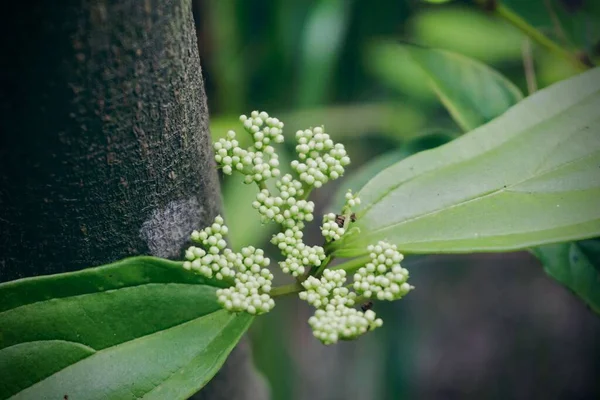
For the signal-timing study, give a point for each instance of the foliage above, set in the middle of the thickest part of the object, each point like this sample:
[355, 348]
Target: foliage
[524, 176]
[472, 92]
[319, 160]
[494, 188]
[577, 266]
[142, 326]
[566, 262]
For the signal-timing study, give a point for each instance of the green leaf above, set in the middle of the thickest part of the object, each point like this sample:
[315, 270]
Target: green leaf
[391, 64]
[566, 262]
[141, 327]
[472, 92]
[467, 31]
[527, 178]
[360, 177]
[575, 265]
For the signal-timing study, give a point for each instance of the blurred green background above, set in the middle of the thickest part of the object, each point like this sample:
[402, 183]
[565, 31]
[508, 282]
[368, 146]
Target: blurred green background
[482, 326]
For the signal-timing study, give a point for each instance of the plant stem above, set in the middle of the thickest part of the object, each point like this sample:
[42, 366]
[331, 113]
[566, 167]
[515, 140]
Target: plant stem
[323, 265]
[350, 266]
[286, 289]
[515, 20]
[261, 185]
[306, 194]
[560, 32]
[354, 264]
[529, 67]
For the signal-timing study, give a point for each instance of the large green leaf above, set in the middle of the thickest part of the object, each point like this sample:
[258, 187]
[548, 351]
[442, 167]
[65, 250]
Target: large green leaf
[527, 178]
[566, 262]
[575, 265]
[357, 179]
[141, 327]
[472, 92]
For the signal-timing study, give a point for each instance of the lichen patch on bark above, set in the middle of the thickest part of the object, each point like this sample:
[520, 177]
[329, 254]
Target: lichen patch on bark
[168, 228]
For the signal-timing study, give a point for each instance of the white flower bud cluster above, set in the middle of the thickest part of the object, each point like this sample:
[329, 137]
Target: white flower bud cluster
[263, 165]
[289, 187]
[287, 240]
[383, 278]
[330, 228]
[269, 207]
[252, 280]
[229, 155]
[334, 227]
[217, 261]
[259, 162]
[256, 165]
[292, 266]
[320, 159]
[351, 200]
[335, 318]
[298, 255]
[212, 236]
[307, 255]
[298, 211]
[263, 128]
[334, 323]
[289, 212]
[329, 288]
[252, 284]
[219, 266]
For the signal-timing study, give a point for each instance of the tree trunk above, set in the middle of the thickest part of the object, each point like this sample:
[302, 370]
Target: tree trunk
[104, 150]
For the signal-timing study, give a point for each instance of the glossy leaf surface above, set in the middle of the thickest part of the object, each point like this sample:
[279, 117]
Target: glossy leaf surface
[527, 178]
[141, 327]
[471, 91]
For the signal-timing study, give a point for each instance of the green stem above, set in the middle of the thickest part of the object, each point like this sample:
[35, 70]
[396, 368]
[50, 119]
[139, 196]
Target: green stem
[306, 194]
[515, 20]
[323, 265]
[353, 265]
[328, 247]
[286, 289]
[361, 299]
[261, 185]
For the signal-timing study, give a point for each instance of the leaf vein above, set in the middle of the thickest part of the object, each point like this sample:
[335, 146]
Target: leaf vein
[478, 197]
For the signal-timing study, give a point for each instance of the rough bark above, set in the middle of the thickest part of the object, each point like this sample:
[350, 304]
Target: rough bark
[105, 152]
[104, 149]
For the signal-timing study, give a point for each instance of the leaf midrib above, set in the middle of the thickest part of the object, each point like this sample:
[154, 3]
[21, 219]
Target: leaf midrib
[52, 340]
[138, 339]
[482, 196]
[99, 292]
[151, 263]
[505, 235]
[215, 337]
[107, 291]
